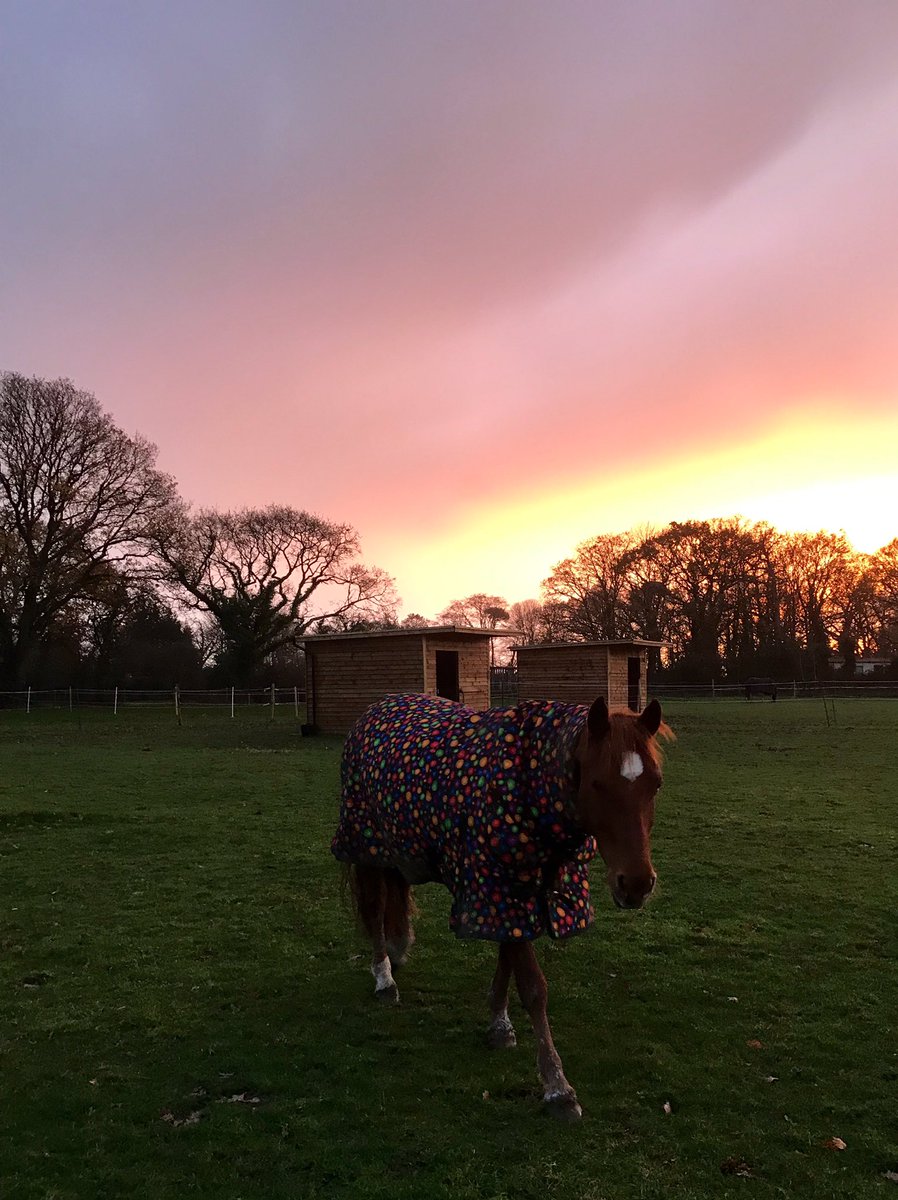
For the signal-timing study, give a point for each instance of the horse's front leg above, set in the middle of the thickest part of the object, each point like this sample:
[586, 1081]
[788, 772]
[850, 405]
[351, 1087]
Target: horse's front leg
[531, 984]
[500, 1034]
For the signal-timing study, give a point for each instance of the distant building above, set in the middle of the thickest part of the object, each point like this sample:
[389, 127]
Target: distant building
[864, 666]
[580, 672]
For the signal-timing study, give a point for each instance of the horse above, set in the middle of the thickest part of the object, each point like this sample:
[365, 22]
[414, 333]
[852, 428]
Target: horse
[760, 687]
[505, 808]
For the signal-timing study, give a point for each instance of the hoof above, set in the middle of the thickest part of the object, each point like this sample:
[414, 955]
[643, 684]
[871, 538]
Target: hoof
[387, 995]
[501, 1037]
[564, 1106]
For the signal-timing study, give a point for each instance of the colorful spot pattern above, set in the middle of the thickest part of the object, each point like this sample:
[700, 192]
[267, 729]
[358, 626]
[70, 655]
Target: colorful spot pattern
[480, 802]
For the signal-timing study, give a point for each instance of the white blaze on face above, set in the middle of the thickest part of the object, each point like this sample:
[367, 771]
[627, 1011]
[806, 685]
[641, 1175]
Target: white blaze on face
[631, 766]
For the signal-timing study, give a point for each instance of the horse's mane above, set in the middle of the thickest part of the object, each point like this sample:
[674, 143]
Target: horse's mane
[626, 735]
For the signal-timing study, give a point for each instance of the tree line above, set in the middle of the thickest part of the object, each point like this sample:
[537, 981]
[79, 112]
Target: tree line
[728, 597]
[107, 577]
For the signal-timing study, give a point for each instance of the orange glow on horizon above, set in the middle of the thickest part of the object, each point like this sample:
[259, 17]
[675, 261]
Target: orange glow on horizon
[815, 469]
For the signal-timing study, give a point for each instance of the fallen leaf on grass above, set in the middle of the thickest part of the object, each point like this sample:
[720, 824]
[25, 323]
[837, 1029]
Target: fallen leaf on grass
[486, 1095]
[737, 1166]
[771, 1078]
[666, 1107]
[754, 1044]
[240, 1098]
[892, 1175]
[834, 1143]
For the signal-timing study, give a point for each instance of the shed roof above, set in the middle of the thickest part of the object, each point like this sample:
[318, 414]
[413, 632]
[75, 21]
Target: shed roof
[442, 630]
[581, 645]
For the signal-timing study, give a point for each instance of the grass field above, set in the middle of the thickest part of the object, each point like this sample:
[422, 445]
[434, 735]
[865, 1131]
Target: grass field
[184, 1010]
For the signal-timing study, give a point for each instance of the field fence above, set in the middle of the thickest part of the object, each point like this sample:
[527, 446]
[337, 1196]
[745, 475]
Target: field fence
[229, 699]
[504, 689]
[790, 690]
[503, 692]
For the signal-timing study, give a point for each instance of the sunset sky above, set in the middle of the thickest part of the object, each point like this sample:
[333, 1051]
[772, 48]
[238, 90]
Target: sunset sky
[481, 278]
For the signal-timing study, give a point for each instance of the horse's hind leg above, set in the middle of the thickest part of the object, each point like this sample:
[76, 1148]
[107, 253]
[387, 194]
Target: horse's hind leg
[500, 1034]
[398, 931]
[371, 897]
[558, 1094]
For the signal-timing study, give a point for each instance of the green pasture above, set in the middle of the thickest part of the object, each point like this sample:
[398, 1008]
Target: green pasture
[185, 1007]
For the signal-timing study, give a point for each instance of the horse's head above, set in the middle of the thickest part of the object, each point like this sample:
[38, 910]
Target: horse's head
[620, 774]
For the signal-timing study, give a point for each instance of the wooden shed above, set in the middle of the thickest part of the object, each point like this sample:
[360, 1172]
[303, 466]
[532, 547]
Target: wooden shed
[580, 672]
[346, 672]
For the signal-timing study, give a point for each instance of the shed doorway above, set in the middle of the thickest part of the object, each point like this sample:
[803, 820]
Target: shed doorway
[447, 674]
[634, 678]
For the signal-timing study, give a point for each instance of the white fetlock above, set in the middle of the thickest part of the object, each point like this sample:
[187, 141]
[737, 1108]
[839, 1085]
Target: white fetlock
[501, 1034]
[384, 984]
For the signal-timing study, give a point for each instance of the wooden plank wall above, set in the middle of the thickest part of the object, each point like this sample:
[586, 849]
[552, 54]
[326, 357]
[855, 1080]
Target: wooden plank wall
[576, 675]
[345, 677]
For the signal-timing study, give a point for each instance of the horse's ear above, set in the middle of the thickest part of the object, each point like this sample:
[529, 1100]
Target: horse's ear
[650, 718]
[598, 722]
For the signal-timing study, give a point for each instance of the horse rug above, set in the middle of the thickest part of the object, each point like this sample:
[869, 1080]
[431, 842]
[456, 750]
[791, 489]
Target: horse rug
[480, 802]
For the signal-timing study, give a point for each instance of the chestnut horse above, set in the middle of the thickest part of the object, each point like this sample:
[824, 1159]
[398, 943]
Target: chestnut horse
[505, 808]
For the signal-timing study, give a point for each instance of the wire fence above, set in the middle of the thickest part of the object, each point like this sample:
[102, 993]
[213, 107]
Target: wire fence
[787, 690]
[503, 691]
[230, 699]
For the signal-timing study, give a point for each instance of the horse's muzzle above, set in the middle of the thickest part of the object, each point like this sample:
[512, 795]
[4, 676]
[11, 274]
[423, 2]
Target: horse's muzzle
[632, 891]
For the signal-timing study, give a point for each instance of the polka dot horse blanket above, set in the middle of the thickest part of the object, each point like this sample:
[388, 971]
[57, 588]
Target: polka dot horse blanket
[480, 802]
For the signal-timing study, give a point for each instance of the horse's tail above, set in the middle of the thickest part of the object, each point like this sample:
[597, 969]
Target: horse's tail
[370, 890]
[349, 886]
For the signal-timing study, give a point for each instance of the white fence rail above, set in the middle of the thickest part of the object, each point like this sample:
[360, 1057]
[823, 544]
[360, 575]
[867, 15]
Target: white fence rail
[504, 691]
[117, 699]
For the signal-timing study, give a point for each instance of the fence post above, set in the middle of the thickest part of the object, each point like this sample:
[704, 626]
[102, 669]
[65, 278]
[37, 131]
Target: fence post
[178, 703]
[295, 702]
[115, 704]
[232, 703]
[28, 701]
[272, 702]
[70, 697]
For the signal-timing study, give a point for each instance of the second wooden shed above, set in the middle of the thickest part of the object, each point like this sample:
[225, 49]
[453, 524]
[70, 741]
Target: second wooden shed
[580, 672]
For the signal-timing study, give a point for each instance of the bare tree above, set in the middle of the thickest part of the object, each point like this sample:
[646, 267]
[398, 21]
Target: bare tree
[818, 574]
[592, 585]
[479, 611]
[257, 572]
[526, 617]
[883, 572]
[76, 493]
[414, 621]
